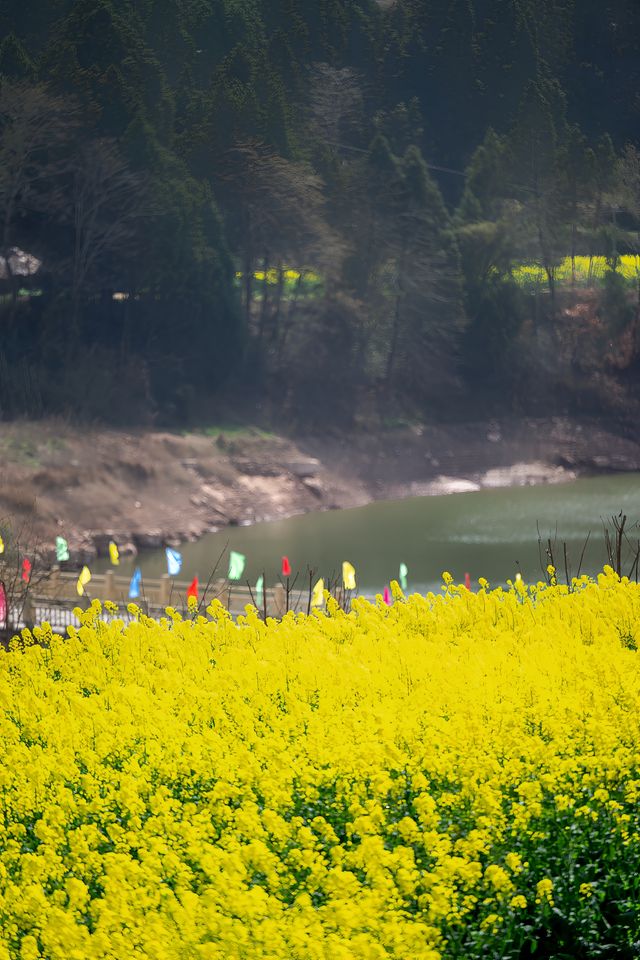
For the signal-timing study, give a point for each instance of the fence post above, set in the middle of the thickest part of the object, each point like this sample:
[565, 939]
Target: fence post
[67, 585]
[54, 583]
[278, 601]
[29, 611]
[109, 589]
[165, 590]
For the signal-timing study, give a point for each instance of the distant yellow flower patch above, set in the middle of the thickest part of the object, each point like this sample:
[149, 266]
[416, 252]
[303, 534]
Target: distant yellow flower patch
[289, 276]
[587, 270]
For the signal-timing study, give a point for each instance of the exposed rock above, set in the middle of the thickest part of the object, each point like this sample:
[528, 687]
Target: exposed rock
[101, 539]
[443, 485]
[257, 468]
[314, 486]
[526, 474]
[146, 489]
[149, 539]
[302, 468]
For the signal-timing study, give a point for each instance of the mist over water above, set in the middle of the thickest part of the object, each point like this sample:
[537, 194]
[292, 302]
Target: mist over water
[491, 533]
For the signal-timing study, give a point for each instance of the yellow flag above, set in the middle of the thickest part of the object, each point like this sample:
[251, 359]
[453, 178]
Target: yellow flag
[348, 576]
[114, 556]
[317, 597]
[1, 545]
[83, 580]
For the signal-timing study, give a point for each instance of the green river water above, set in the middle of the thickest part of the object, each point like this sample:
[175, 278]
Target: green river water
[491, 533]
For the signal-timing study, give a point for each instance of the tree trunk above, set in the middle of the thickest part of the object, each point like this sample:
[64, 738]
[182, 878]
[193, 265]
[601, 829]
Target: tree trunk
[551, 281]
[264, 307]
[277, 307]
[293, 303]
[393, 346]
[248, 287]
[6, 253]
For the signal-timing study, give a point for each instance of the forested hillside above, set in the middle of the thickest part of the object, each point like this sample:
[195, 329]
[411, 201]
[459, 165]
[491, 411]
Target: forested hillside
[341, 209]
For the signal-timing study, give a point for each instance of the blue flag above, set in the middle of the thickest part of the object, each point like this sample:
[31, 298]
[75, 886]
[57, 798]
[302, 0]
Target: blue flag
[134, 586]
[174, 562]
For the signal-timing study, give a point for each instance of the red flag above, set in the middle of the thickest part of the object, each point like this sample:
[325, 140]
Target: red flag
[467, 581]
[26, 569]
[387, 596]
[3, 604]
[286, 567]
[192, 589]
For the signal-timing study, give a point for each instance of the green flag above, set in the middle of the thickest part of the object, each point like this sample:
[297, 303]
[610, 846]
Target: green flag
[62, 549]
[260, 590]
[404, 570]
[236, 565]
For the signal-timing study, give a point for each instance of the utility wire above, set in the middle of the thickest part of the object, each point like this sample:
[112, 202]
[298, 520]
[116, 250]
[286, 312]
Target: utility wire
[431, 166]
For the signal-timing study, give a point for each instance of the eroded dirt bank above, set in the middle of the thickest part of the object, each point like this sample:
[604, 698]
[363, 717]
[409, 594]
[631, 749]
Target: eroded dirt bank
[145, 489]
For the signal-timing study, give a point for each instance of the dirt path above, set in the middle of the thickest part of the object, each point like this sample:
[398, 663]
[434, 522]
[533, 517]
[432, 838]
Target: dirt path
[148, 488]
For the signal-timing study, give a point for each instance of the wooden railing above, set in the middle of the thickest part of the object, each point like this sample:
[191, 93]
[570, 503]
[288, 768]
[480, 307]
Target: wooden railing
[54, 598]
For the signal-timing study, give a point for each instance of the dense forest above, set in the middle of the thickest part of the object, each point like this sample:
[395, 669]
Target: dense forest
[321, 211]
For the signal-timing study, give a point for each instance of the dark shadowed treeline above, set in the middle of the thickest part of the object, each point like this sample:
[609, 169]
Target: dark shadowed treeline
[344, 208]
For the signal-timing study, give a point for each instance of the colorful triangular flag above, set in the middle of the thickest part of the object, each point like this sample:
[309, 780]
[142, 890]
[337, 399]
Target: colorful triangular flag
[317, 597]
[135, 585]
[62, 549]
[3, 604]
[1, 545]
[286, 567]
[236, 565]
[387, 596]
[26, 569]
[404, 570]
[114, 554]
[348, 576]
[83, 580]
[174, 561]
[260, 590]
[192, 589]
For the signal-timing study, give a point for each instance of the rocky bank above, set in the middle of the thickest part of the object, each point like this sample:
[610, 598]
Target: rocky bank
[145, 489]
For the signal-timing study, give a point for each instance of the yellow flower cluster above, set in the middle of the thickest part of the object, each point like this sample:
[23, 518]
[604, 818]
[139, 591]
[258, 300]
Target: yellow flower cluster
[272, 276]
[416, 781]
[587, 269]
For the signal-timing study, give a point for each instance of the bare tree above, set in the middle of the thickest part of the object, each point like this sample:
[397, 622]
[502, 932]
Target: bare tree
[23, 573]
[335, 105]
[34, 127]
[276, 209]
[106, 203]
[628, 179]
[627, 196]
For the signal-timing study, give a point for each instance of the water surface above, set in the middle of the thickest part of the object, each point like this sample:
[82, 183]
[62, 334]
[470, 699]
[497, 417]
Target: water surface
[491, 533]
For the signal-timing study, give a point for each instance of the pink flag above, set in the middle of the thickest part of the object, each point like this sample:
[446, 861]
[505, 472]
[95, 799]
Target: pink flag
[387, 596]
[467, 581]
[3, 605]
[286, 567]
[26, 569]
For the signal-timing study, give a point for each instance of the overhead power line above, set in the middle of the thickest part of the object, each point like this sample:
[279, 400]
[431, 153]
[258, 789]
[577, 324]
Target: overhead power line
[430, 166]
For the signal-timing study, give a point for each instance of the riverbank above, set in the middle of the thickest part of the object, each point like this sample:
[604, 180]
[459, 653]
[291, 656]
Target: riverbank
[149, 488]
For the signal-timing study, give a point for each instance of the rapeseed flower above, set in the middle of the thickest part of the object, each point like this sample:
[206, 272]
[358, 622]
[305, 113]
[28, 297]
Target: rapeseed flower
[411, 781]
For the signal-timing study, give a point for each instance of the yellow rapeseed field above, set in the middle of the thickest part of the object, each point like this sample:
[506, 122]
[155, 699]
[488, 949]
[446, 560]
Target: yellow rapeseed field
[588, 270]
[451, 776]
